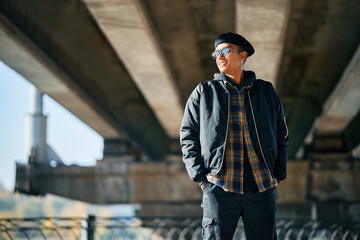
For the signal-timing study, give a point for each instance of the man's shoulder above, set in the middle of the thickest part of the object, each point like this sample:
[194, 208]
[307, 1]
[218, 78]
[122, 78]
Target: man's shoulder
[210, 84]
[263, 83]
[266, 87]
[205, 86]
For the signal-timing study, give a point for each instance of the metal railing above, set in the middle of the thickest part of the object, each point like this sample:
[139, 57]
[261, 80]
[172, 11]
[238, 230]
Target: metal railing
[100, 228]
[42, 228]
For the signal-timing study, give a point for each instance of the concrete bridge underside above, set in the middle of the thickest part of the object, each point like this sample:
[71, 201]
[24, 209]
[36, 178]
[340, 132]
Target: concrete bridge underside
[126, 68]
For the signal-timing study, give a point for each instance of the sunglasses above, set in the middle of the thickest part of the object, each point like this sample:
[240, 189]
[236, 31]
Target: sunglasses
[225, 51]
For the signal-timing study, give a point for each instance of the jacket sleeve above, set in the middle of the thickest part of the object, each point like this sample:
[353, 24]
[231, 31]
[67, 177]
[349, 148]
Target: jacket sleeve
[282, 140]
[189, 138]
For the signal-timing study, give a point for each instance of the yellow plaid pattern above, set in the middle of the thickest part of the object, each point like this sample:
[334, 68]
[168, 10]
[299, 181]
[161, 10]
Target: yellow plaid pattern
[231, 174]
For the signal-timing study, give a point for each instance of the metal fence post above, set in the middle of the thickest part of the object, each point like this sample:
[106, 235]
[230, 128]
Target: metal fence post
[90, 227]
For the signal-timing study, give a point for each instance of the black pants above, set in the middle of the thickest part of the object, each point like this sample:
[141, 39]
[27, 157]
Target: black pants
[222, 211]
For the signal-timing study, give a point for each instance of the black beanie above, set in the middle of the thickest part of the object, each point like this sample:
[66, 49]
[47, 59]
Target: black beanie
[235, 39]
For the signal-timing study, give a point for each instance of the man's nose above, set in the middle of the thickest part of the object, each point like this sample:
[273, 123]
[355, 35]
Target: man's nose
[220, 55]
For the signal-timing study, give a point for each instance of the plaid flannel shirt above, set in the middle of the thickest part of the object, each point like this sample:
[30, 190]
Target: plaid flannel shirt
[231, 175]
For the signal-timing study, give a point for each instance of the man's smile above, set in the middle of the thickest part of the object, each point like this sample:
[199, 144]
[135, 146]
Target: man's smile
[222, 63]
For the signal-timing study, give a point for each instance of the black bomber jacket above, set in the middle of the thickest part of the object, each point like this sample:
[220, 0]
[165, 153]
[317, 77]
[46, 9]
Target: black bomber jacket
[204, 127]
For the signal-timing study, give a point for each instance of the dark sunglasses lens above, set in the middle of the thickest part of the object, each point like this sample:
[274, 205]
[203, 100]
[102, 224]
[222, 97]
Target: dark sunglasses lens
[225, 51]
[214, 55]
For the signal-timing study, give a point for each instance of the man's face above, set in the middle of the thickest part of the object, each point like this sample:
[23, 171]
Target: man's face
[233, 61]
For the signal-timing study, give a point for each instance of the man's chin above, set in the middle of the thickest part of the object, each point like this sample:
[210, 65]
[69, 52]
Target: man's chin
[222, 70]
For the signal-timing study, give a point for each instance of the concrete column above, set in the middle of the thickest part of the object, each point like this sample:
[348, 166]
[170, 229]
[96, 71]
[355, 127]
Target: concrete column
[35, 131]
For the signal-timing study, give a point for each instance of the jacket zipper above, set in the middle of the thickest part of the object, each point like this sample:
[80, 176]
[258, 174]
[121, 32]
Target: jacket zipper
[227, 130]
[257, 135]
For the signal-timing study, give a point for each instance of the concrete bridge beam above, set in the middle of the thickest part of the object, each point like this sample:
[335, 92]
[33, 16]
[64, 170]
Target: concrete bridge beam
[344, 102]
[20, 54]
[130, 32]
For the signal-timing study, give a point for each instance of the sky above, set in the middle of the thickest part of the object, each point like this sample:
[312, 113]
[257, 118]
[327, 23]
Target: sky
[73, 141]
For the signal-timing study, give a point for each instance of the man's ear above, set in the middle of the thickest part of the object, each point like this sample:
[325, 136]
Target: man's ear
[243, 55]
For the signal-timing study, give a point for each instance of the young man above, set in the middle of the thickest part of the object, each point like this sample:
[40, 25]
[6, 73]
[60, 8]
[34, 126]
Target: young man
[234, 142]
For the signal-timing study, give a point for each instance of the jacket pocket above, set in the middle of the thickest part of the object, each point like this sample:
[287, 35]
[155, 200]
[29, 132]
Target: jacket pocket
[208, 230]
